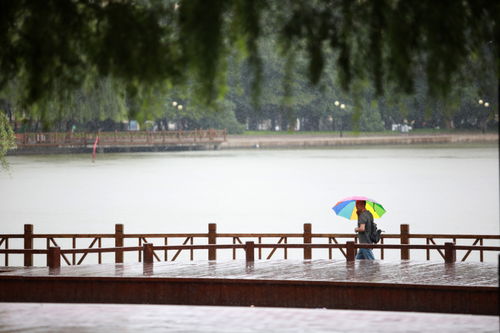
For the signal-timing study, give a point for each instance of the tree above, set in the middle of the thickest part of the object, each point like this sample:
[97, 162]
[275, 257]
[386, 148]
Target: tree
[150, 41]
[52, 46]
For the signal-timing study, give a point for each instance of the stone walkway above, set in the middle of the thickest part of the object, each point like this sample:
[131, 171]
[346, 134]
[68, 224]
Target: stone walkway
[304, 140]
[76, 318]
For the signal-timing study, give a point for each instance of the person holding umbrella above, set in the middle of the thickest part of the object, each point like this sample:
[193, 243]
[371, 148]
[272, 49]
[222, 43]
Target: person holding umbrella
[365, 221]
[364, 210]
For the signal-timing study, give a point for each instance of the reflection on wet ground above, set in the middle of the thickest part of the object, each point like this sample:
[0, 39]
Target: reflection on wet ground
[398, 272]
[35, 317]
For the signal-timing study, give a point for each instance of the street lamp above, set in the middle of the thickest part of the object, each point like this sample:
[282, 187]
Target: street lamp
[486, 105]
[178, 107]
[342, 108]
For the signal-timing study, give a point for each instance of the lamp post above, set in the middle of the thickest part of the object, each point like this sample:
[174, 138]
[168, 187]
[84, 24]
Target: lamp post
[174, 105]
[486, 105]
[342, 108]
[178, 107]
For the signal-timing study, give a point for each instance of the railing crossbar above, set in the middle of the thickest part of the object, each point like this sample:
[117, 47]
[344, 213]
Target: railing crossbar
[23, 251]
[85, 254]
[274, 249]
[179, 250]
[439, 250]
[250, 235]
[263, 246]
[90, 249]
[341, 249]
[469, 252]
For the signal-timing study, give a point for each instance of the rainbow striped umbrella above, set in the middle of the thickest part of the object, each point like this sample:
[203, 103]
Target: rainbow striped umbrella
[347, 208]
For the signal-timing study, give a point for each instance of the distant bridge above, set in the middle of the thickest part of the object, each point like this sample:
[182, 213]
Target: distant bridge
[68, 142]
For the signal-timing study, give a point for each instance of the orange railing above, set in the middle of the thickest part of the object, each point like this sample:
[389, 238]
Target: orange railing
[211, 241]
[129, 138]
[54, 254]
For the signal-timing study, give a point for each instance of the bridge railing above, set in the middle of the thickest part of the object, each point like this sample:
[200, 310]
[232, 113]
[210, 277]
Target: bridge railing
[119, 138]
[54, 254]
[213, 241]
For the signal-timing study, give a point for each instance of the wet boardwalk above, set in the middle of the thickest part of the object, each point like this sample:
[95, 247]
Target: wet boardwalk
[465, 288]
[388, 272]
[76, 318]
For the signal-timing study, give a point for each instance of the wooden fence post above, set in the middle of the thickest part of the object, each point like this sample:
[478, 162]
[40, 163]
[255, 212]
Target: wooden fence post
[118, 243]
[307, 240]
[28, 244]
[212, 240]
[250, 251]
[54, 257]
[351, 251]
[450, 253]
[148, 253]
[405, 239]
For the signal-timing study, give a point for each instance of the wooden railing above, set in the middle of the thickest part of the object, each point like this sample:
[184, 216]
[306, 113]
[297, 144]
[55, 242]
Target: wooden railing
[122, 138]
[54, 254]
[347, 246]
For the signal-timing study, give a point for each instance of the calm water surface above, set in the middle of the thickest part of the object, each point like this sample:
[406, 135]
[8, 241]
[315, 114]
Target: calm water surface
[435, 189]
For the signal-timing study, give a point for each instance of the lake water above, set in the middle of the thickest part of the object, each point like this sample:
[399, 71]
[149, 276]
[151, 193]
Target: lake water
[434, 189]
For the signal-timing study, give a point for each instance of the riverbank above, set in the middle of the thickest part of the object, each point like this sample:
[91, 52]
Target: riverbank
[298, 140]
[332, 140]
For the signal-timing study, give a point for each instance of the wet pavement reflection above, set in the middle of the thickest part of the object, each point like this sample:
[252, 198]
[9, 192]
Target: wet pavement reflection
[76, 318]
[399, 272]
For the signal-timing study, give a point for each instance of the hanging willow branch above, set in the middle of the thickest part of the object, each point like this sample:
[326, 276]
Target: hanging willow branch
[150, 42]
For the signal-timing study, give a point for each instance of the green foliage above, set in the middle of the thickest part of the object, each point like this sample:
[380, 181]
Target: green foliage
[53, 45]
[90, 60]
[389, 40]
[96, 101]
[371, 121]
[7, 140]
[222, 118]
[146, 42]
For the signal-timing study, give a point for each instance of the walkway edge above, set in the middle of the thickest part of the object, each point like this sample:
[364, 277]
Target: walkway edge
[246, 292]
[318, 141]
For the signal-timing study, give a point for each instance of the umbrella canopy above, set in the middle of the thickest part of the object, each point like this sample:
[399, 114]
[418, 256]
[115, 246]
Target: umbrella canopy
[347, 208]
